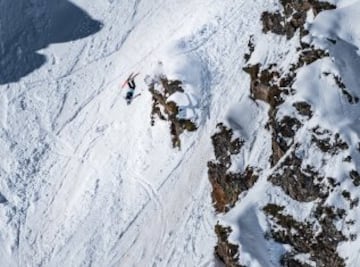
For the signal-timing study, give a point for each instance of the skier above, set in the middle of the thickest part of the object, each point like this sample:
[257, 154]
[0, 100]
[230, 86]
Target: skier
[131, 83]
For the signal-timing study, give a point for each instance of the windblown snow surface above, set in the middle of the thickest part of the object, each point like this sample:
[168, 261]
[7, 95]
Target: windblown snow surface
[87, 181]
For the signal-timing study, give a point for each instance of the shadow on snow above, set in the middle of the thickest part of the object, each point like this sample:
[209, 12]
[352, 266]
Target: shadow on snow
[27, 26]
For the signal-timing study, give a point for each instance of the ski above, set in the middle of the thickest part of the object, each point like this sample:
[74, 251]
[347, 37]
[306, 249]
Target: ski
[125, 82]
[131, 76]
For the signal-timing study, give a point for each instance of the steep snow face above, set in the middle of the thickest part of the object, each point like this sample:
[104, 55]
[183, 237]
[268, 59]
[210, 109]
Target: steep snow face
[85, 179]
[346, 63]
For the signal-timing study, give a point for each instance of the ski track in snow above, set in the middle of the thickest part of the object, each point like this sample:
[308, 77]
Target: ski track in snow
[151, 192]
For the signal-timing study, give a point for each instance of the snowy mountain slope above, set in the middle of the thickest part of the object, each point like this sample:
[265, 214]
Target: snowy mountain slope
[305, 197]
[87, 181]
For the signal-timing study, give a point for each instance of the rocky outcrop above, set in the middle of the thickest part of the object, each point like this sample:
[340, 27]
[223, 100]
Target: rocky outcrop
[328, 142]
[303, 109]
[169, 110]
[355, 176]
[227, 186]
[350, 98]
[224, 250]
[272, 85]
[251, 48]
[264, 84]
[301, 185]
[319, 240]
[293, 18]
[289, 260]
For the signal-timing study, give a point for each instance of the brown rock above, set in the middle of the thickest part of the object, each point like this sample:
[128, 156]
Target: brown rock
[228, 253]
[297, 183]
[303, 108]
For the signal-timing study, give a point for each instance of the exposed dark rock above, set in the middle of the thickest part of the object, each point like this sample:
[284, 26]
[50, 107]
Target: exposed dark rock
[323, 144]
[266, 85]
[308, 56]
[263, 85]
[262, 88]
[346, 194]
[227, 186]
[288, 126]
[331, 40]
[278, 152]
[187, 125]
[251, 47]
[224, 145]
[171, 87]
[319, 6]
[273, 209]
[283, 131]
[286, 82]
[171, 110]
[354, 203]
[328, 143]
[332, 181]
[339, 82]
[303, 108]
[355, 176]
[273, 22]
[303, 237]
[303, 184]
[351, 99]
[353, 237]
[228, 253]
[299, 184]
[293, 18]
[289, 260]
[156, 111]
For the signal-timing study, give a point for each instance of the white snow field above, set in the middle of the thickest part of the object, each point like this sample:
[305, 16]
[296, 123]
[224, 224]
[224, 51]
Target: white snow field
[85, 180]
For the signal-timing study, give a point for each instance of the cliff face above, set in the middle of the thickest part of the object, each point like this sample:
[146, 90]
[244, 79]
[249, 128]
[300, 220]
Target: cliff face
[302, 197]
